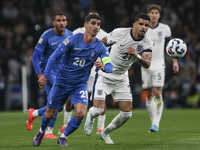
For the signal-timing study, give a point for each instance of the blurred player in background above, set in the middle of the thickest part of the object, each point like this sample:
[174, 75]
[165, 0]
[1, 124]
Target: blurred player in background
[128, 46]
[46, 45]
[153, 77]
[68, 112]
[80, 53]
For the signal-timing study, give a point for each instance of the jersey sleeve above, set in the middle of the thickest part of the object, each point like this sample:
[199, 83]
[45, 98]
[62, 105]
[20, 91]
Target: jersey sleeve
[113, 36]
[168, 32]
[42, 42]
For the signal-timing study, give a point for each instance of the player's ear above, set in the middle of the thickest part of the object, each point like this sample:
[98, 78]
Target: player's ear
[54, 23]
[85, 24]
[134, 24]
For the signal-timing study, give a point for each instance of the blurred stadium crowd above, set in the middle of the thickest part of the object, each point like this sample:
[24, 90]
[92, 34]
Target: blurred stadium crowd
[23, 21]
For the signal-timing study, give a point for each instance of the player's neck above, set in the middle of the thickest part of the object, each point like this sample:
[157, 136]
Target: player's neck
[135, 35]
[153, 24]
[88, 39]
[57, 32]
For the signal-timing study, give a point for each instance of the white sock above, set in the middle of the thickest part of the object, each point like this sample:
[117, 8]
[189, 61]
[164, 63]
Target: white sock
[159, 108]
[101, 122]
[67, 117]
[48, 130]
[35, 113]
[117, 122]
[95, 112]
[151, 108]
[63, 136]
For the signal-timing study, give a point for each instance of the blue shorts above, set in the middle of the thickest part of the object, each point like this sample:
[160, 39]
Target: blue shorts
[48, 86]
[59, 95]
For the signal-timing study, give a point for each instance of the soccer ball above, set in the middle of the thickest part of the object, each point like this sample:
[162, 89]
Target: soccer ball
[176, 48]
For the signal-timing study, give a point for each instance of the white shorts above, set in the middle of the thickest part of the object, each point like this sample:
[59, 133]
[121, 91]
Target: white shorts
[90, 84]
[154, 78]
[120, 90]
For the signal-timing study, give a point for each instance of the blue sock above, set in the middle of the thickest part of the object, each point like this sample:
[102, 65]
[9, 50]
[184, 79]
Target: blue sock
[44, 123]
[42, 110]
[73, 124]
[53, 121]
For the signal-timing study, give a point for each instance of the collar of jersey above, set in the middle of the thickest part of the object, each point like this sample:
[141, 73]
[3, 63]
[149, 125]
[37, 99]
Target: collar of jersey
[155, 26]
[133, 37]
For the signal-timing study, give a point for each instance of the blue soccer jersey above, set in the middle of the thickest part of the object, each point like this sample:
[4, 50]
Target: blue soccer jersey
[74, 69]
[47, 44]
[78, 59]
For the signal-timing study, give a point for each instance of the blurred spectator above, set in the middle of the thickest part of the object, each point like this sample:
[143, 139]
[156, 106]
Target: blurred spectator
[192, 98]
[2, 89]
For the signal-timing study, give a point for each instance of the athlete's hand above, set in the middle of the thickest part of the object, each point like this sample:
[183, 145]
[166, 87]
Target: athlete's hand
[42, 82]
[39, 75]
[132, 51]
[175, 67]
[99, 65]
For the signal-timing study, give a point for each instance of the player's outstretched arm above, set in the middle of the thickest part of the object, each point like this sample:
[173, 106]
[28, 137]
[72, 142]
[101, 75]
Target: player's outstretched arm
[108, 68]
[144, 61]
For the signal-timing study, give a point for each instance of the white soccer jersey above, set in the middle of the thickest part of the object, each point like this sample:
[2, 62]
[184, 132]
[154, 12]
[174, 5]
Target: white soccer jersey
[158, 36]
[122, 38]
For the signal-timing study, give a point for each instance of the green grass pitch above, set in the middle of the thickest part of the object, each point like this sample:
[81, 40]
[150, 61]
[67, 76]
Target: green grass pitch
[179, 130]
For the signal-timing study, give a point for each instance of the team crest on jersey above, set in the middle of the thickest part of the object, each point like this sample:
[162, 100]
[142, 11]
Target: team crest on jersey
[159, 33]
[92, 54]
[99, 92]
[40, 40]
[139, 48]
[66, 41]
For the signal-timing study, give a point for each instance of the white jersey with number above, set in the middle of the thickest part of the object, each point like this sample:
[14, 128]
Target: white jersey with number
[101, 34]
[122, 38]
[158, 35]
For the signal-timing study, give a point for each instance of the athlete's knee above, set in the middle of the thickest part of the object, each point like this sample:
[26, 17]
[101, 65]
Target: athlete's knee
[126, 115]
[80, 114]
[159, 98]
[50, 115]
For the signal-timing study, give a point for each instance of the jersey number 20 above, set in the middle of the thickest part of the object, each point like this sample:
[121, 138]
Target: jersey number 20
[79, 62]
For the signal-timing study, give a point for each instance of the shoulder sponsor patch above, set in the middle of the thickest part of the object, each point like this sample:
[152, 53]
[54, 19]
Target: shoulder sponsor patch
[40, 41]
[66, 41]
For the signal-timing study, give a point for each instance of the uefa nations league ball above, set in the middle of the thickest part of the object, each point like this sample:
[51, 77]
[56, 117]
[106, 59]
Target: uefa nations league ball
[176, 48]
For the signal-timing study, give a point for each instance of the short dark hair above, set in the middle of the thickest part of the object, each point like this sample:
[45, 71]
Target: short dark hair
[142, 16]
[154, 6]
[92, 16]
[59, 13]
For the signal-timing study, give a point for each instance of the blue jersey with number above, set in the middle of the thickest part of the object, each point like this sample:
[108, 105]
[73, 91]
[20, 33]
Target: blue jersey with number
[78, 59]
[47, 44]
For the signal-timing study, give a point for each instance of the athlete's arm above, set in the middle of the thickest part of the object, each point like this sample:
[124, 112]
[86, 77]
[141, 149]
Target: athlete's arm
[35, 59]
[104, 40]
[108, 68]
[145, 60]
[43, 80]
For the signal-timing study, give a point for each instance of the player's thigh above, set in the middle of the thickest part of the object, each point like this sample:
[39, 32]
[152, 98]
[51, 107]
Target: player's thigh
[125, 106]
[79, 95]
[101, 89]
[57, 97]
[146, 79]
